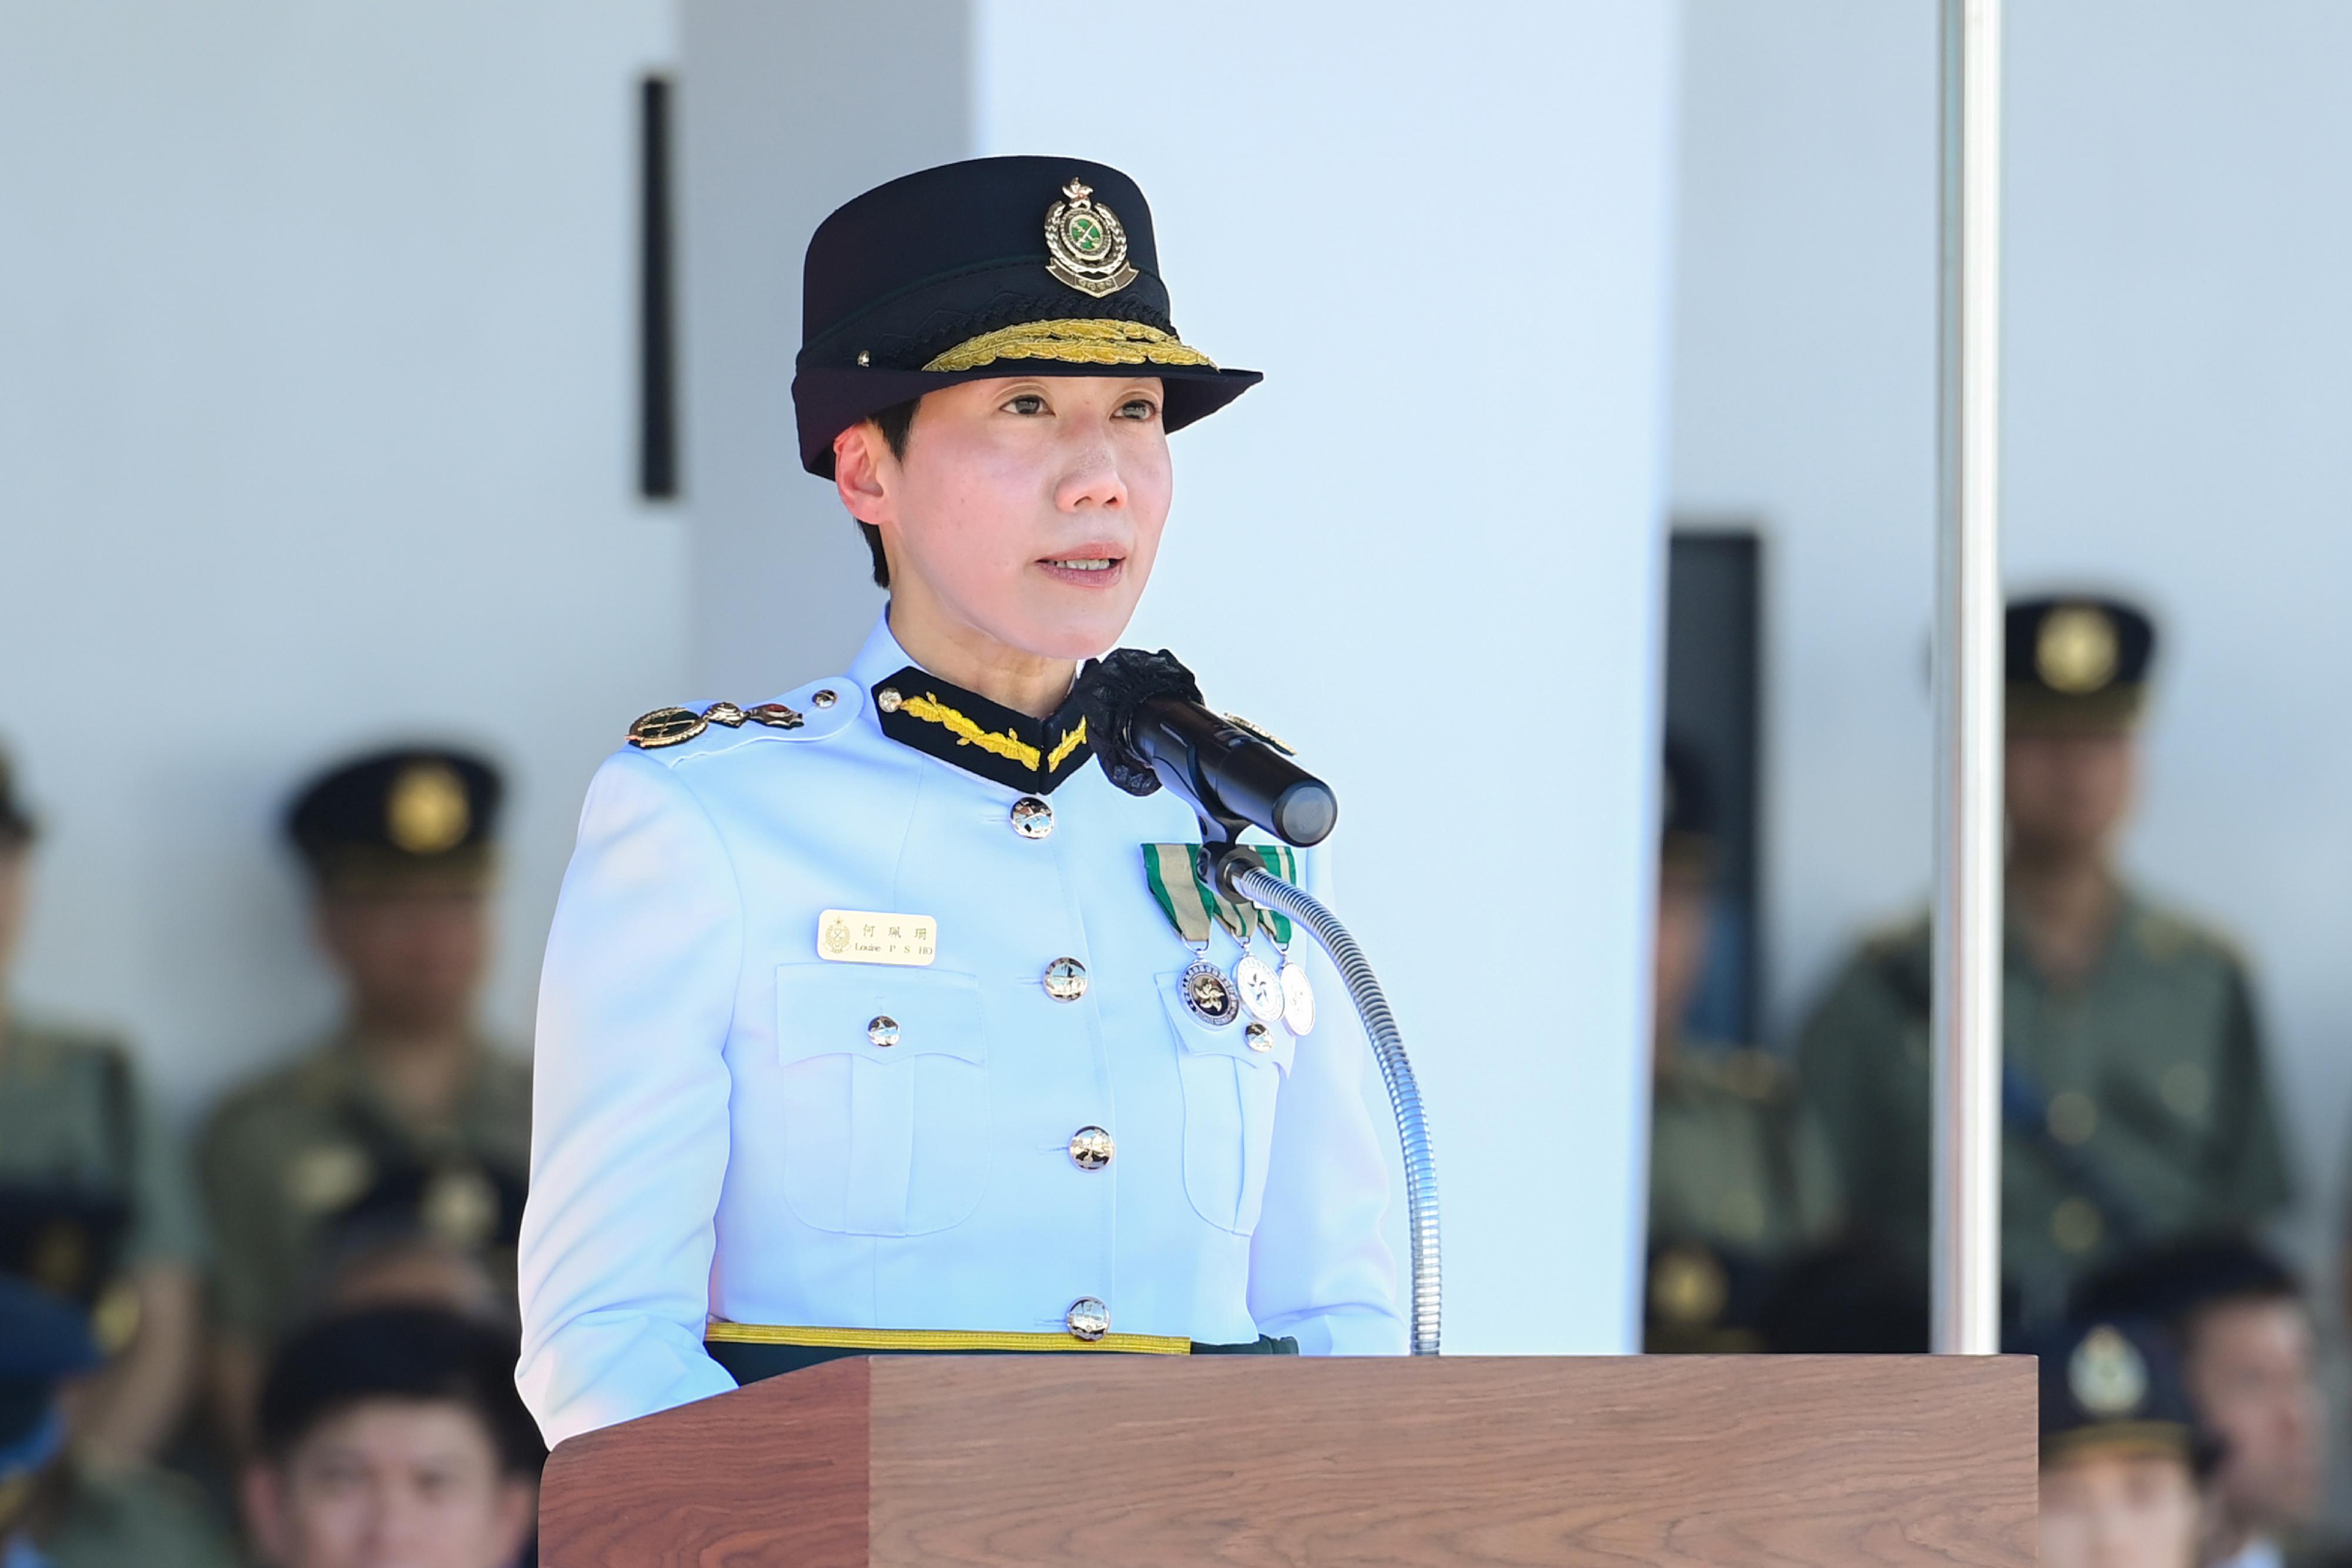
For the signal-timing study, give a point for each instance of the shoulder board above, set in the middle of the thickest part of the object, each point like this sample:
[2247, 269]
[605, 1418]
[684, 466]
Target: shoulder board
[2165, 935]
[810, 713]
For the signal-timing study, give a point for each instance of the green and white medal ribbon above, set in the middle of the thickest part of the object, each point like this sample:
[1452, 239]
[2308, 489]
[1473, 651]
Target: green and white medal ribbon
[1194, 907]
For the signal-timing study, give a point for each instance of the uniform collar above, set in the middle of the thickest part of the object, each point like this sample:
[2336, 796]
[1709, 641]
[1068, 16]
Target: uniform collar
[942, 720]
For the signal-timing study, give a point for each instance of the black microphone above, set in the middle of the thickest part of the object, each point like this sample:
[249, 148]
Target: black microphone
[1150, 728]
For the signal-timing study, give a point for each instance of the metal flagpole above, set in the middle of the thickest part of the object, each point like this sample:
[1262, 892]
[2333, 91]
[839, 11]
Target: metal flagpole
[1965, 1053]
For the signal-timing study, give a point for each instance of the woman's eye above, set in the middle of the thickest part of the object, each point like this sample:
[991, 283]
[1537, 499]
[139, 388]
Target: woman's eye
[1028, 405]
[1141, 408]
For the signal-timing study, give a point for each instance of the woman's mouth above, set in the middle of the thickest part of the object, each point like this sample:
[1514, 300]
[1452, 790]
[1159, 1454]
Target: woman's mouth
[1087, 569]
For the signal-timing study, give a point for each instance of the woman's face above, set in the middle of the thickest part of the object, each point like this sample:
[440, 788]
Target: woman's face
[1025, 509]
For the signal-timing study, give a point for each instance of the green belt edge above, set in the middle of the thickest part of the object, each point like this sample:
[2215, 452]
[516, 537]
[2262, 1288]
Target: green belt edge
[751, 1363]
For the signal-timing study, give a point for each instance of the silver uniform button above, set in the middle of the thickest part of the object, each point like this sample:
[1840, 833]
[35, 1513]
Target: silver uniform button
[1087, 1317]
[1031, 817]
[1065, 980]
[1258, 1037]
[823, 698]
[883, 1031]
[887, 699]
[1091, 1148]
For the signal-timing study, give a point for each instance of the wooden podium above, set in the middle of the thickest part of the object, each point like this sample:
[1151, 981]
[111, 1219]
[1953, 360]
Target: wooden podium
[1130, 1462]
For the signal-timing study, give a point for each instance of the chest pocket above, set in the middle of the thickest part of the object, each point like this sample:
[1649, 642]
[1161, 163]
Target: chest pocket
[1229, 1098]
[882, 1135]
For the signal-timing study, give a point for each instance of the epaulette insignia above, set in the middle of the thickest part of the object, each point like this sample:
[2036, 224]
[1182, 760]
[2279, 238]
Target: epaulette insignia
[676, 725]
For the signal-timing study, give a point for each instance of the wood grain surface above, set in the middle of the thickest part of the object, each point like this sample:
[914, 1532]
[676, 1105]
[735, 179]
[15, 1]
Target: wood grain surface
[1113, 1462]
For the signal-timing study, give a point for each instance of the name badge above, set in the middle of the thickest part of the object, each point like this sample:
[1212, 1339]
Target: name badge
[866, 936]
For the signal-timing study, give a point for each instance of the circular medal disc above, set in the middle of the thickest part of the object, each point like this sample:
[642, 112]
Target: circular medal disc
[1260, 987]
[1209, 994]
[1297, 999]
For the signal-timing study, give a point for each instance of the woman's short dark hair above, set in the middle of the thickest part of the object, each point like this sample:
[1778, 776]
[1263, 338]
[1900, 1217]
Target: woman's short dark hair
[409, 1354]
[896, 422]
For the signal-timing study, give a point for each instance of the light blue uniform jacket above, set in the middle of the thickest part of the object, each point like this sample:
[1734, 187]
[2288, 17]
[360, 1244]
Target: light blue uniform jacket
[714, 1135]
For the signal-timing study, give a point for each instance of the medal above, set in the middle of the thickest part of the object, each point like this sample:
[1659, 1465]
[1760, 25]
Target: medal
[1298, 999]
[1260, 988]
[1208, 993]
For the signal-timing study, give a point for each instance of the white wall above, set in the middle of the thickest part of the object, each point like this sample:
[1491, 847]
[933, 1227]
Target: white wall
[2179, 220]
[1447, 246]
[315, 429]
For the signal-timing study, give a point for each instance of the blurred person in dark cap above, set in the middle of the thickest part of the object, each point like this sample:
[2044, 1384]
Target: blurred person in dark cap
[56, 1510]
[95, 1200]
[406, 1107]
[2122, 1453]
[2135, 1097]
[2243, 1331]
[393, 1438]
[1740, 1178]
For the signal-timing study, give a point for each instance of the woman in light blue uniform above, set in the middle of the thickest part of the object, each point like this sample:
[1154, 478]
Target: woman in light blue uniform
[862, 1029]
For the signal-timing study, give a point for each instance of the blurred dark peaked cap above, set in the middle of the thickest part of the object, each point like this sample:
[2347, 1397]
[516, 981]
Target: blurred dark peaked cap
[15, 821]
[44, 1340]
[2077, 660]
[2112, 1384]
[995, 266]
[2166, 1285]
[411, 809]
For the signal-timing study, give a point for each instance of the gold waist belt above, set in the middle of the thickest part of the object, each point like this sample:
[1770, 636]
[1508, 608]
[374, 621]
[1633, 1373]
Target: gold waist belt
[941, 1339]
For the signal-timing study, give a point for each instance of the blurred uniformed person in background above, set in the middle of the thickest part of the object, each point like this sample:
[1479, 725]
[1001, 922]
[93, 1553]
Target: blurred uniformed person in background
[2136, 1105]
[405, 1109]
[95, 1202]
[1740, 1178]
[393, 1436]
[2123, 1455]
[2239, 1322]
[59, 1509]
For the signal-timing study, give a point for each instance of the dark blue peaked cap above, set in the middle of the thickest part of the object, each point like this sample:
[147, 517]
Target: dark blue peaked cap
[925, 282]
[43, 1341]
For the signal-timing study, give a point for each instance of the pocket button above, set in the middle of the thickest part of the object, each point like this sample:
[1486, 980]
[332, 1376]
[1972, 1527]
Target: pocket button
[883, 1031]
[1065, 980]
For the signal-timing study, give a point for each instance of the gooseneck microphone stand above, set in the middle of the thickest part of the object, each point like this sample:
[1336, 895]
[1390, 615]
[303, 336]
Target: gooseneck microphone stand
[1153, 731]
[1240, 874]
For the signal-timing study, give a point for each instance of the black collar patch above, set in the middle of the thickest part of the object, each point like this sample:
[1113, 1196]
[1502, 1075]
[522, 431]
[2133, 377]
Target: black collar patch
[981, 737]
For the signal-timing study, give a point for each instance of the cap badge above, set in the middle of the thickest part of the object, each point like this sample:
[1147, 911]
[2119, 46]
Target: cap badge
[2106, 1374]
[427, 812]
[1086, 246]
[2076, 653]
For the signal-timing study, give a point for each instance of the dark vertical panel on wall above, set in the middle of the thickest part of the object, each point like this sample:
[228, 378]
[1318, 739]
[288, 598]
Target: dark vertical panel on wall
[657, 302]
[1714, 696]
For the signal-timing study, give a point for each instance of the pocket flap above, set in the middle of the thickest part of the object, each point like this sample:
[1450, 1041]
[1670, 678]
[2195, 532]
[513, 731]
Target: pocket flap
[833, 1010]
[1231, 1040]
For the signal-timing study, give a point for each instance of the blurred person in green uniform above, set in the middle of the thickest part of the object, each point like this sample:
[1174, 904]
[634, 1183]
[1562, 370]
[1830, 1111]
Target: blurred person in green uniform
[1740, 1180]
[406, 1107]
[2136, 1104]
[94, 1198]
[56, 1509]
[2124, 1459]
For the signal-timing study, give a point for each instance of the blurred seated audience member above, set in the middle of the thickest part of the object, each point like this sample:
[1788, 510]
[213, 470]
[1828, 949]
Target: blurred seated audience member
[405, 1095]
[56, 1510]
[1740, 1179]
[2136, 1098]
[390, 1250]
[95, 1200]
[394, 1438]
[2248, 1356]
[2122, 1455]
[1855, 1296]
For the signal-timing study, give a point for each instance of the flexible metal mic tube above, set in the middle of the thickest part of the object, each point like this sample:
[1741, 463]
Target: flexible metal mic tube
[1404, 1096]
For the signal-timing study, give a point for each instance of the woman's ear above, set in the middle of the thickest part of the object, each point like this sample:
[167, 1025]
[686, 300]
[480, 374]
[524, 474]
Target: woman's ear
[861, 472]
